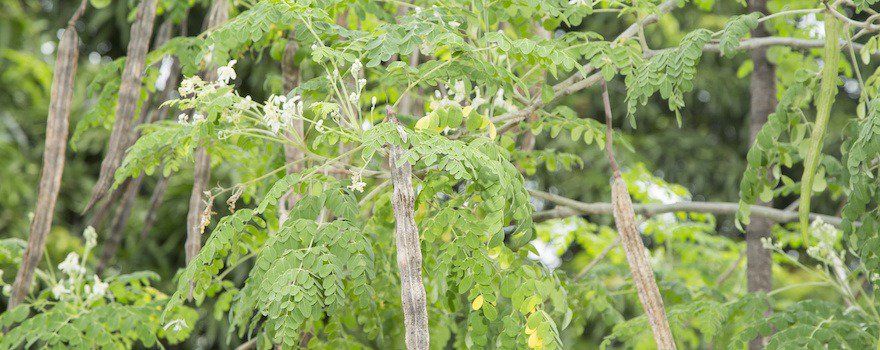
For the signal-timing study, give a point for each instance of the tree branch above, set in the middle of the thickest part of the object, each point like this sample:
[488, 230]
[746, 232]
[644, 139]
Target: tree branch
[573, 207]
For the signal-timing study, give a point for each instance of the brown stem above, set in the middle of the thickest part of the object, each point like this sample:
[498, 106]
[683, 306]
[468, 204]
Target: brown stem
[409, 253]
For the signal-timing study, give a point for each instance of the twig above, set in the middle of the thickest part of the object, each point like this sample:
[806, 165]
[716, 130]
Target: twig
[598, 258]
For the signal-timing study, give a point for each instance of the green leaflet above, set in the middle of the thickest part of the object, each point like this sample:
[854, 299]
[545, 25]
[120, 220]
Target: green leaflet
[827, 93]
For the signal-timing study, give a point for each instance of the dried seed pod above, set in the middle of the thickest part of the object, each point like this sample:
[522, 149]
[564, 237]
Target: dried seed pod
[625, 220]
[643, 276]
[194, 227]
[409, 253]
[57, 124]
[129, 94]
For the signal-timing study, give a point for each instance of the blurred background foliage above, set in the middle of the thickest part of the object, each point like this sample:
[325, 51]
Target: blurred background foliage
[705, 156]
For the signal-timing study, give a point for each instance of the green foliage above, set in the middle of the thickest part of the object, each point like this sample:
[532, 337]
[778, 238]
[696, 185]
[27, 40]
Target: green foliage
[736, 29]
[669, 72]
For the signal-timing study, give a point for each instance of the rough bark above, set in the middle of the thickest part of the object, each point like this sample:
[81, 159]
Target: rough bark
[409, 253]
[762, 102]
[57, 125]
[624, 219]
[129, 94]
[218, 15]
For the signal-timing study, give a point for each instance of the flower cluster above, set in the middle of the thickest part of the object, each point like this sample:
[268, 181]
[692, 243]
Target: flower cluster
[75, 272]
[357, 183]
[280, 111]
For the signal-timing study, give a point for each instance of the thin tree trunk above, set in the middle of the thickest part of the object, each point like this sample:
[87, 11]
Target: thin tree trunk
[409, 252]
[129, 94]
[762, 102]
[624, 219]
[57, 125]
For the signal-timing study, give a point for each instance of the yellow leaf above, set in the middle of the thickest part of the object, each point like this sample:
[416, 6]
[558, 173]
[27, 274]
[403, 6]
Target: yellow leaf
[529, 330]
[478, 302]
[535, 341]
[492, 131]
[423, 122]
[466, 110]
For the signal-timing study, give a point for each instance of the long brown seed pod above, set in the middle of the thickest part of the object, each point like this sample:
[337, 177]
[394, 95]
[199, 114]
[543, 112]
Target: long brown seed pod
[130, 191]
[290, 80]
[624, 219]
[129, 93]
[57, 124]
[218, 15]
[162, 184]
[409, 251]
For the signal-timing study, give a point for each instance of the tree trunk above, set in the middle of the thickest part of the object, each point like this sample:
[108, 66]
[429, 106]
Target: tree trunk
[409, 251]
[762, 103]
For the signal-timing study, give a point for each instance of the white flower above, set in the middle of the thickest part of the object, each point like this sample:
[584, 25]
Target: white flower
[188, 85]
[354, 97]
[91, 236]
[373, 101]
[460, 94]
[98, 289]
[824, 232]
[177, 325]
[478, 101]
[226, 73]
[71, 265]
[198, 118]
[356, 68]
[210, 55]
[454, 24]
[578, 2]
[183, 118]
[272, 112]
[499, 98]
[319, 126]
[245, 103]
[356, 183]
[418, 9]
[59, 291]
[292, 109]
